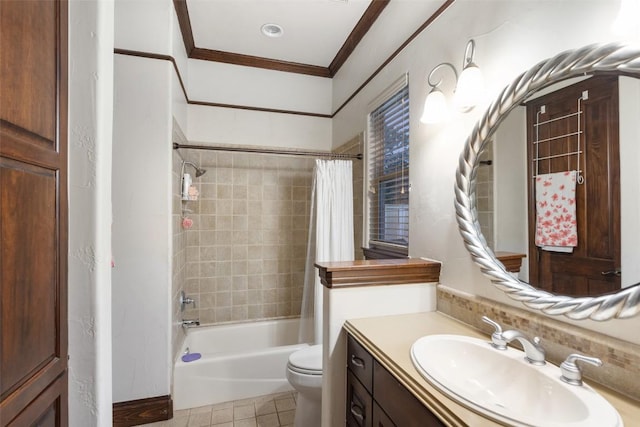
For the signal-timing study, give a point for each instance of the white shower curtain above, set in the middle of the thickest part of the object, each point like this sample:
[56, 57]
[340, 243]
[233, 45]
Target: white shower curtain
[330, 237]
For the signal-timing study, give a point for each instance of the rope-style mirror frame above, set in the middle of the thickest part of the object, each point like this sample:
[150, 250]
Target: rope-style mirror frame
[591, 59]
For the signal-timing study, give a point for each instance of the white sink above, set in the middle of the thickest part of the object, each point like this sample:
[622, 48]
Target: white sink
[502, 386]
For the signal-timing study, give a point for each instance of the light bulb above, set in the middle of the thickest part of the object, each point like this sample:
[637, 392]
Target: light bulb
[469, 88]
[435, 107]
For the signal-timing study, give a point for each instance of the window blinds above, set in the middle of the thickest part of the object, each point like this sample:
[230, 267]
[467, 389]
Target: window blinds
[388, 166]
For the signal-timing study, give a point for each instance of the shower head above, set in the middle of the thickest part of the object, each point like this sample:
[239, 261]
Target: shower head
[199, 171]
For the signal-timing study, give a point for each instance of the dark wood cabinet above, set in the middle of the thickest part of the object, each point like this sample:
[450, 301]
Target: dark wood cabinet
[375, 398]
[380, 418]
[359, 403]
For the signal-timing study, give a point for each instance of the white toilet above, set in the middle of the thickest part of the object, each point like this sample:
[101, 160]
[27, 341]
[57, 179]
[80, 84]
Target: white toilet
[304, 373]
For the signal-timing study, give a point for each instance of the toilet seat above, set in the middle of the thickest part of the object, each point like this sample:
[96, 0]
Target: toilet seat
[307, 361]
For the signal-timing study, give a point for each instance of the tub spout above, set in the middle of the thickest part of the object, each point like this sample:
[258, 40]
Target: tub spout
[190, 323]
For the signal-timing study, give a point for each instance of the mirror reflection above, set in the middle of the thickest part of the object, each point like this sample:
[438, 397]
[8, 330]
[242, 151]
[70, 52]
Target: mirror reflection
[560, 184]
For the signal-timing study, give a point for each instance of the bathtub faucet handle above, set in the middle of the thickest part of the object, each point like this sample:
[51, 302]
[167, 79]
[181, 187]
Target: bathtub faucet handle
[184, 300]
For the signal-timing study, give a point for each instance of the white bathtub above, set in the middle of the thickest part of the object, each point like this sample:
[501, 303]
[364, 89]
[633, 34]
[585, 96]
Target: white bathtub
[238, 361]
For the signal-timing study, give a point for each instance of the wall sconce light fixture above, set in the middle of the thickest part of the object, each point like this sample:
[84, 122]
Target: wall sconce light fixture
[467, 93]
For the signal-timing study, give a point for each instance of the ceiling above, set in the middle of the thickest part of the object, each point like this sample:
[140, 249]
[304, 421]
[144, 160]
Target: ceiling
[318, 35]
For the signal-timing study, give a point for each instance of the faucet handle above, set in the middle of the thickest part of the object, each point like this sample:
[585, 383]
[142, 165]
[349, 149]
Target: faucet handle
[571, 372]
[184, 300]
[497, 340]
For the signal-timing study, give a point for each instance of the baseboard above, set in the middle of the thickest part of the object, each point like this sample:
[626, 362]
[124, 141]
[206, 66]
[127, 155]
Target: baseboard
[142, 411]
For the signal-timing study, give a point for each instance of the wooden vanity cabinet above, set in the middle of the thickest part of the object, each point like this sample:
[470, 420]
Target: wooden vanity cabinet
[375, 398]
[359, 385]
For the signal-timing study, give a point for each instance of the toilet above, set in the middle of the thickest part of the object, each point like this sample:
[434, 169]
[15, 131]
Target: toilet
[304, 373]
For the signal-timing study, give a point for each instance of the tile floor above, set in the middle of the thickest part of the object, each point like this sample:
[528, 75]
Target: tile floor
[274, 410]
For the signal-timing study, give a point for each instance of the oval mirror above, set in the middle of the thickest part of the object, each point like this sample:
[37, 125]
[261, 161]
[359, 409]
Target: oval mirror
[546, 113]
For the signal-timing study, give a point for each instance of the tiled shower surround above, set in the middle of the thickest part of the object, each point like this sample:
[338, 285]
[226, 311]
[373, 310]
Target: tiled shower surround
[244, 257]
[179, 248]
[484, 195]
[245, 253]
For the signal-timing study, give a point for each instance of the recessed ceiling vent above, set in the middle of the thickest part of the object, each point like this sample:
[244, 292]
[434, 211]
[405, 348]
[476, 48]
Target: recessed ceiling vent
[272, 30]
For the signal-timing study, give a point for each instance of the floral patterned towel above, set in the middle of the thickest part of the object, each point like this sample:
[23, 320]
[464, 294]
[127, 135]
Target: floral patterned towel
[556, 227]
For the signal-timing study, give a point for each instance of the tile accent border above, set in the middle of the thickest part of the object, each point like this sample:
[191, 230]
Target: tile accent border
[621, 359]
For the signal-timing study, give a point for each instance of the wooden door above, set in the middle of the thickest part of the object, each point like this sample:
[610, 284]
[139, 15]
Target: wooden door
[579, 273]
[33, 209]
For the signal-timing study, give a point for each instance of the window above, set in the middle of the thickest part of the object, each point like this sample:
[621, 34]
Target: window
[388, 170]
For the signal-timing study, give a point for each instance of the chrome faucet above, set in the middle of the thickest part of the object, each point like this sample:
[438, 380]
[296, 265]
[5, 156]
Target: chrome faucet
[190, 323]
[571, 372]
[534, 353]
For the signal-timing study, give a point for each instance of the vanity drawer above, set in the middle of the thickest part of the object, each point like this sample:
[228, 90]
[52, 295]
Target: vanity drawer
[380, 418]
[360, 362]
[399, 404]
[359, 403]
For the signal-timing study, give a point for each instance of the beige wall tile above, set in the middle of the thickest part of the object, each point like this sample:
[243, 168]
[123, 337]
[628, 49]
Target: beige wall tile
[208, 285]
[239, 313]
[224, 191]
[207, 300]
[247, 255]
[223, 284]
[239, 283]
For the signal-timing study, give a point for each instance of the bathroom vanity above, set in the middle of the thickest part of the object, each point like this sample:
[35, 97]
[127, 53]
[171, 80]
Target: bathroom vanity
[391, 405]
[385, 389]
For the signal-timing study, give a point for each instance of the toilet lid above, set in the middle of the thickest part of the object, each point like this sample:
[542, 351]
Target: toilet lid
[307, 360]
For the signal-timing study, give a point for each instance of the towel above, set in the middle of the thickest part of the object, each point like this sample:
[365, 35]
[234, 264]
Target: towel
[556, 225]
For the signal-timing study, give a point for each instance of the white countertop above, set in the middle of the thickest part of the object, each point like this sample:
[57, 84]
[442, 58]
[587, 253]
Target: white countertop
[389, 339]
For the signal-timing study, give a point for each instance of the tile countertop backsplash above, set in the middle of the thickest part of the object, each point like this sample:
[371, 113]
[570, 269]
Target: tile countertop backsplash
[621, 360]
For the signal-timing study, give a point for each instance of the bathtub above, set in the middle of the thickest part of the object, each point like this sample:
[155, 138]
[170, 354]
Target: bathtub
[238, 361]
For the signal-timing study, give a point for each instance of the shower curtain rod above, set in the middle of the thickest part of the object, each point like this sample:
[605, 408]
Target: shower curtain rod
[270, 151]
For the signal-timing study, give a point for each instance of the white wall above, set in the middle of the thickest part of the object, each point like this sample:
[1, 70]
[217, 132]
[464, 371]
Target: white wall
[257, 87]
[214, 125]
[144, 25]
[511, 221]
[629, 182]
[142, 151]
[150, 102]
[510, 37]
[89, 285]
[179, 107]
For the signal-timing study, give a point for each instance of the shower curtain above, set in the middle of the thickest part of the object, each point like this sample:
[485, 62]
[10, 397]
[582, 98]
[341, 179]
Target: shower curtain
[330, 237]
